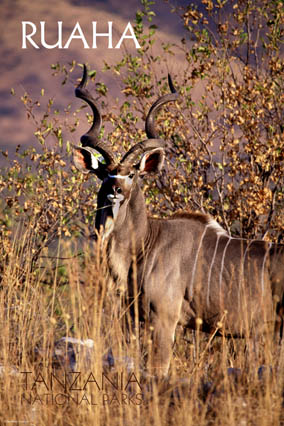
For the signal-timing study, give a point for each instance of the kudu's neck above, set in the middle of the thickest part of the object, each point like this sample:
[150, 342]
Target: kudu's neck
[131, 226]
[127, 238]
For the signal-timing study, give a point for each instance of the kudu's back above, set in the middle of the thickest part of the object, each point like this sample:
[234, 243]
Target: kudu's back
[199, 270]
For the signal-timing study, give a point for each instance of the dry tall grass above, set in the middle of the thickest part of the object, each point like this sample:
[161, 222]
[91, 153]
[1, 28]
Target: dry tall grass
[213, 380]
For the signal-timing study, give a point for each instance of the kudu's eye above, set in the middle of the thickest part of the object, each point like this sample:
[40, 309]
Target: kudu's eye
[131, 175]
[118, 190]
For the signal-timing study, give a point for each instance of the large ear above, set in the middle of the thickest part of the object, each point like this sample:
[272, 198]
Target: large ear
[152, 161]
[87, 159]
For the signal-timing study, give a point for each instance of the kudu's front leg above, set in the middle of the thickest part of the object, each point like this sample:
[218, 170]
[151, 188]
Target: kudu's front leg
[163, 327]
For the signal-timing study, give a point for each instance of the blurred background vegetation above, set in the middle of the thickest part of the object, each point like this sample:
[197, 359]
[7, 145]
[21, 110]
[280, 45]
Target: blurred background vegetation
[225, 147]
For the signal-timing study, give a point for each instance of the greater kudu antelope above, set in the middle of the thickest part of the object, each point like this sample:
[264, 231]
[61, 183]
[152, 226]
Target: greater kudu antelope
[187, 267]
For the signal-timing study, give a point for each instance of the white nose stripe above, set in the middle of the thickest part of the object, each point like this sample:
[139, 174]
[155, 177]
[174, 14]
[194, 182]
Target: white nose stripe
[118, 176]
[126, 178]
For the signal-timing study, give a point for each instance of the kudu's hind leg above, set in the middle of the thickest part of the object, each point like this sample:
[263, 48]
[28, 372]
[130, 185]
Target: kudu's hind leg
[279, 319]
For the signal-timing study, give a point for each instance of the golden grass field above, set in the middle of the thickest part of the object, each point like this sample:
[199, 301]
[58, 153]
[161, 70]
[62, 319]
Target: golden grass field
[213, 381]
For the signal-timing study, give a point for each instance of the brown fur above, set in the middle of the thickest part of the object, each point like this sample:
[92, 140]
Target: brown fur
[196, 216]
[186, 267]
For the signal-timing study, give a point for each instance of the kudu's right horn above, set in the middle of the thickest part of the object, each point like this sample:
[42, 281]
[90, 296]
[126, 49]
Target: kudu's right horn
[153, 141]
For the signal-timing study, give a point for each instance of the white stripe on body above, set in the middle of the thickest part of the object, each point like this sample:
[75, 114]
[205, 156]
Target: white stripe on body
[211, 266]
[222, 266]
[263, 265]
[195, 261]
